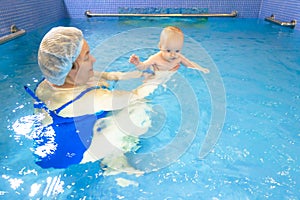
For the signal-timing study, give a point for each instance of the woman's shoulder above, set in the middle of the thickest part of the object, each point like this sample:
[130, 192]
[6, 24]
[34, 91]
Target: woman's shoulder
[55, 97]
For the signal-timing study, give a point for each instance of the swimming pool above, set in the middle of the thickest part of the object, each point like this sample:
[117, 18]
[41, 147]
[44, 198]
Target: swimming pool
[255, 157]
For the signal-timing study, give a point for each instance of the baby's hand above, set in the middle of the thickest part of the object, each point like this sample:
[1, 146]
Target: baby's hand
[205, 70]
[134, 59]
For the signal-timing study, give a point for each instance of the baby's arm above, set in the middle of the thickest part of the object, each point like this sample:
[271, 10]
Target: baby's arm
[134, 59]
[186, 62]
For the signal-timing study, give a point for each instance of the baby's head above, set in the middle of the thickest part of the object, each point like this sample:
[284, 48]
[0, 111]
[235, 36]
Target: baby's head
[171, 42]
[58, 51]
[171, 36]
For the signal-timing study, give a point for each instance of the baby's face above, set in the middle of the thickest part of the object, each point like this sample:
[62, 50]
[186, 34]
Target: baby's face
[171, 48]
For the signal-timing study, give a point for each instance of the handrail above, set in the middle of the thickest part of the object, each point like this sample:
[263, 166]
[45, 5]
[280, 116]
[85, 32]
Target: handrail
[272, 19]
[90, 14]
[15, 32]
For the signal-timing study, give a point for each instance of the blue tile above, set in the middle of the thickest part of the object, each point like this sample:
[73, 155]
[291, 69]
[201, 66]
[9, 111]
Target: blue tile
[30, 14]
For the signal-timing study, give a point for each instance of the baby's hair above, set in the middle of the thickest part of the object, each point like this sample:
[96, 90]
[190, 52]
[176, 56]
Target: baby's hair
[171, 30]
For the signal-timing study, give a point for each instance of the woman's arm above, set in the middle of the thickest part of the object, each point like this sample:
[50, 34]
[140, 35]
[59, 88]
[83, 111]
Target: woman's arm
[118, 75]
[113, 100]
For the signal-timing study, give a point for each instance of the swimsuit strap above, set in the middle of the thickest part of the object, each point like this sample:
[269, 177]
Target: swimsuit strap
[39, 103]
[78, 97]
[39, 82]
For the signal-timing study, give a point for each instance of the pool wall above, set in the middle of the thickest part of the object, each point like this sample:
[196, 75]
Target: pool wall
[284, 10]
[31, 14]
[246, 8]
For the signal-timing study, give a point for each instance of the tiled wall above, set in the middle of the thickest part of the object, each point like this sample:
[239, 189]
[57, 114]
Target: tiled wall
[246, 8]
[29, 14]
[286, 10]
[283, 10]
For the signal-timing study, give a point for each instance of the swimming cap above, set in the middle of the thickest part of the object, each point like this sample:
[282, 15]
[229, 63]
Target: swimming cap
[58, 50]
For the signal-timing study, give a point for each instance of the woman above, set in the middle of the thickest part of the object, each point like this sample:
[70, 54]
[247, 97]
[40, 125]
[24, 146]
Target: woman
[78, 126]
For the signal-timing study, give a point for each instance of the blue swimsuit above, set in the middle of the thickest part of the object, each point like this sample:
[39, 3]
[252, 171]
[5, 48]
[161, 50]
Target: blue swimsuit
[70, 136]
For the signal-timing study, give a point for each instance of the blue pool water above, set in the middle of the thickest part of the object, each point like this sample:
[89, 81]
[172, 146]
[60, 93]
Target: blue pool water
[252, 94]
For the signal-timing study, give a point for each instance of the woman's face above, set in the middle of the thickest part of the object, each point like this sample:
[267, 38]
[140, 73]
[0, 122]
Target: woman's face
[84, 65]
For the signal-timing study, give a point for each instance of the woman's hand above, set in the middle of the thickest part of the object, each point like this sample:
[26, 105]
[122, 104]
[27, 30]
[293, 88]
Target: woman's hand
[175, 68]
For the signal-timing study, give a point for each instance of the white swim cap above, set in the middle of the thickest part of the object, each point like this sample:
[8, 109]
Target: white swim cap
[58, 50]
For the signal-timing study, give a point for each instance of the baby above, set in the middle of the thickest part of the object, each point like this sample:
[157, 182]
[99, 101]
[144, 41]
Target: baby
[169, 57]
